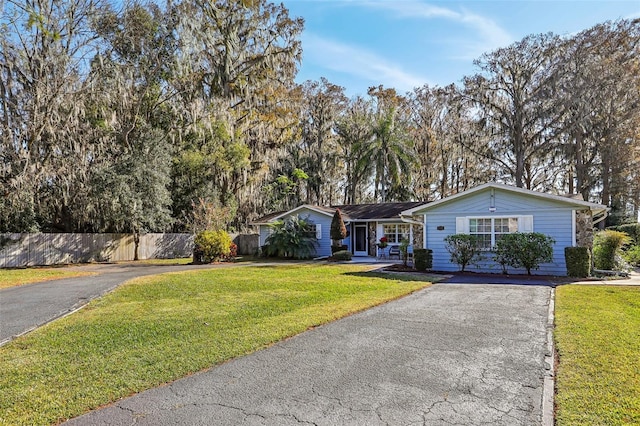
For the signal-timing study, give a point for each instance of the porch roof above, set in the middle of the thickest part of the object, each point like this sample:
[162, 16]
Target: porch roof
[375, 211]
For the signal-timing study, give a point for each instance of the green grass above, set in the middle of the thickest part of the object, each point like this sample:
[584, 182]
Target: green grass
[156, 329]
[598, 341]
[15, 277]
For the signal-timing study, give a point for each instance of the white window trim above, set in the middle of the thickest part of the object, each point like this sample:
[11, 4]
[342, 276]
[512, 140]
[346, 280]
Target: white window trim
[396, 224]
[316, 228]
[525, 224]
[574, 241]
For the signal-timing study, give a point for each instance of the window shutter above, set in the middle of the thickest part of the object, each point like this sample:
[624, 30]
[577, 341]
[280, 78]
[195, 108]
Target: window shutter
[462, 225]
[318, 231]
[525, 224]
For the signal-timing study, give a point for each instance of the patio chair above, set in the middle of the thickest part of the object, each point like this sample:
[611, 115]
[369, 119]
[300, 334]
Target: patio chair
[394, 251]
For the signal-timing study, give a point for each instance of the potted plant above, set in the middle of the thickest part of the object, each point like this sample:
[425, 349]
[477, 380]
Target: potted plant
[383, 242]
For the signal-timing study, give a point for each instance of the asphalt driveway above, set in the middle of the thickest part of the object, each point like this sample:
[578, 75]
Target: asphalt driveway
[26, 307]
[483, 279]
[463, 354]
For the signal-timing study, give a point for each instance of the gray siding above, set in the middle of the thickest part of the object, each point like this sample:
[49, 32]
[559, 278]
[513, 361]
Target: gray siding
[549, 217]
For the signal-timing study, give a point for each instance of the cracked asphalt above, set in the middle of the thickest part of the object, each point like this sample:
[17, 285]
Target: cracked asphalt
[453, 354]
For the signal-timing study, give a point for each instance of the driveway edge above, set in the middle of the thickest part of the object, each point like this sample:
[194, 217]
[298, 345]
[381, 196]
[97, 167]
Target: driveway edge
[548, 389]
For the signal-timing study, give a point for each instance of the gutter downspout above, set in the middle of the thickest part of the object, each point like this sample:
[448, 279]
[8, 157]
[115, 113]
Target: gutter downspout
[597, 220]
[408, 219]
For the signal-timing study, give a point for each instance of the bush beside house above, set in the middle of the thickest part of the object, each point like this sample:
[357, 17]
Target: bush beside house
[338, 232]
[342, 255]
[526, 250]
[578, 260]
[607, 249]
[464, 249]
[422, 259]
[291, 238]
[630, 252]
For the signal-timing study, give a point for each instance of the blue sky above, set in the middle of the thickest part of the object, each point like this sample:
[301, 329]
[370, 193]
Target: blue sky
[407, 43]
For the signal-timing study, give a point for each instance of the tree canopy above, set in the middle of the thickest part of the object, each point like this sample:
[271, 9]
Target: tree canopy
[139, 117]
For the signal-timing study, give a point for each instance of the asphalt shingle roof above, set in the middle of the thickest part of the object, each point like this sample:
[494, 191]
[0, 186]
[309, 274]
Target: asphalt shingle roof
[376, 211]
[351, 212]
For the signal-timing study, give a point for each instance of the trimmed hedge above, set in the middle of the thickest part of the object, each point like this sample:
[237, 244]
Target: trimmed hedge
[578, 261]
[422, 259]
[335, 249]
[341, 255]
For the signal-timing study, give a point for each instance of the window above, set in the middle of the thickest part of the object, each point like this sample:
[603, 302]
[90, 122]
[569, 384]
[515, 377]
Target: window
[490, 229]
[396, 232]
[481, 228]
[314, 230]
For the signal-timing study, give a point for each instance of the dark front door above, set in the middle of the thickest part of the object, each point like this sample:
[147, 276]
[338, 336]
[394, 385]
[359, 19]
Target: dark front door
[360, 247]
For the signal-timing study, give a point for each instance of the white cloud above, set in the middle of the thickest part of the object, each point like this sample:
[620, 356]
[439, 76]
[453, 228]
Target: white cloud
[359, 62]
[490, 35]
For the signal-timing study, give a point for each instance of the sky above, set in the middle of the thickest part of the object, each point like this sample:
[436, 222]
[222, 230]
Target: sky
[405, 44]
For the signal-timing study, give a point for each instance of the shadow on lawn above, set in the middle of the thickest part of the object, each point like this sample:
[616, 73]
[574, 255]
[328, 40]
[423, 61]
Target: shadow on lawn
[402, 276]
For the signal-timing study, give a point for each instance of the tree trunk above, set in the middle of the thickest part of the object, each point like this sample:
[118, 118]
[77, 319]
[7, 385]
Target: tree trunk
[136, 244]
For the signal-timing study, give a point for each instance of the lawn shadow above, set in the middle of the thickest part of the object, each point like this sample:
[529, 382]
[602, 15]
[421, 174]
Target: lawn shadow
[399, 276]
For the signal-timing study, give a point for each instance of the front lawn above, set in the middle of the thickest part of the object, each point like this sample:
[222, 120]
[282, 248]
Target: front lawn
[598, 341]
[157, 329]
[15, 277]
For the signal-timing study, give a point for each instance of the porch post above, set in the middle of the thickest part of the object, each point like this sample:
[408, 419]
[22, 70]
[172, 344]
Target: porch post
[424, 232]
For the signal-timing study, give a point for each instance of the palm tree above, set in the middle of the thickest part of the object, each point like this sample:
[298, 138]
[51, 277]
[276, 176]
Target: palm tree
[390, 150]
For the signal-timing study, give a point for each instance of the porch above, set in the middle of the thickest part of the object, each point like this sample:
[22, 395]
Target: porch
[379, 260]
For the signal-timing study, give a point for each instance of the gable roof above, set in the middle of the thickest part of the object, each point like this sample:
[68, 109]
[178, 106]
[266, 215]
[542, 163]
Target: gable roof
[350, 212]
[264, 220]
[594, 207]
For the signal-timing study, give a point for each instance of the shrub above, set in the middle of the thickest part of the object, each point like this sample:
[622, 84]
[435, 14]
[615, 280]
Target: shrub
[632, 255]
[631, 229]
[501, 256]
[607, 246]
[524, 250]
[404, 250]
[341, 247]
[463, 248]
[211, 246]
[342, 255]
[578, 261]
[233, 253]
[291, 238]
[423, 259]
[338, 231]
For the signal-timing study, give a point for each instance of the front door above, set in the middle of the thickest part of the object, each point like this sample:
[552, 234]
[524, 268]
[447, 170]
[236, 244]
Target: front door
[360, 243]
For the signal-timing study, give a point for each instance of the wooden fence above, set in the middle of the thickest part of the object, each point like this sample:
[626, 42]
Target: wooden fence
[20, 250]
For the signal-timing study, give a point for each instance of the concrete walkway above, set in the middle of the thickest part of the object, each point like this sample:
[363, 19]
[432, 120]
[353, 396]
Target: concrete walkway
[450, 354]
[26, 307]
[633, 280]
